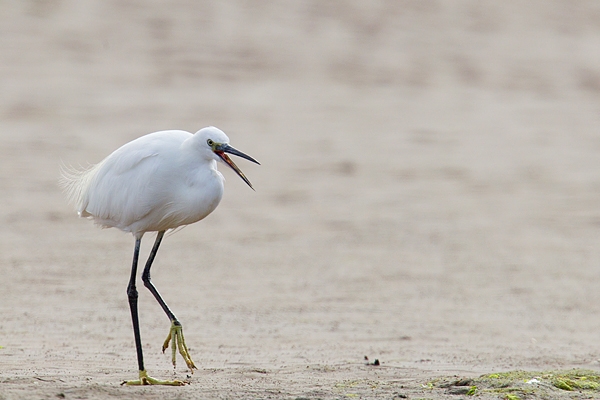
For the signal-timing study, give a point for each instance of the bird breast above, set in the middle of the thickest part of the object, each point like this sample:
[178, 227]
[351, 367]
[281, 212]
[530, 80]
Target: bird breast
[189, 197]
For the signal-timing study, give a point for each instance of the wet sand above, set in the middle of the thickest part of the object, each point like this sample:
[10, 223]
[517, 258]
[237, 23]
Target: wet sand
[428, 196]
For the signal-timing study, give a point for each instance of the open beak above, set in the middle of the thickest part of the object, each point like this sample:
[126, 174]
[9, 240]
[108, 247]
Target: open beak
[221, 151]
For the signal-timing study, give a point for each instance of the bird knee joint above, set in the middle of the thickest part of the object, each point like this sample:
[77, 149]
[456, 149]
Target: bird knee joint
[132, 293]
[147, 283]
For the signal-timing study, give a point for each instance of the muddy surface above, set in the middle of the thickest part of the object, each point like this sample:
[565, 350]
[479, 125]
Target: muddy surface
[429, 195]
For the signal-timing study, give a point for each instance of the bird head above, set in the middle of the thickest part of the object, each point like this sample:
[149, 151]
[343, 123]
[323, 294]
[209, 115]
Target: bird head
[218, 143]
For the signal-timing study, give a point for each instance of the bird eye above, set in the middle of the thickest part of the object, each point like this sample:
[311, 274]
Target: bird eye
[210, 142]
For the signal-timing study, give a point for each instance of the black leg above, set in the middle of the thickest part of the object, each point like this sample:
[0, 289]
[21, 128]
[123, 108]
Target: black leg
[148, 283]
[132, 294]
[175, 337]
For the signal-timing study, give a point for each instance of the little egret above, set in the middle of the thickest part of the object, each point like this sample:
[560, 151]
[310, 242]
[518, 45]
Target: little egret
[157, 182]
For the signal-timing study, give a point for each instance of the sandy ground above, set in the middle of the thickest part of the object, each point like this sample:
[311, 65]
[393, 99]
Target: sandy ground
[429, 194]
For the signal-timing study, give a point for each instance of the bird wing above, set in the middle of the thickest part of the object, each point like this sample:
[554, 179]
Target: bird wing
[127, 185]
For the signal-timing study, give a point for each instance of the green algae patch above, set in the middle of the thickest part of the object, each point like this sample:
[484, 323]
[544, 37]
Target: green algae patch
[585, 382]
[512, 397]
[519, 385]
[576, 379]
[472, 391]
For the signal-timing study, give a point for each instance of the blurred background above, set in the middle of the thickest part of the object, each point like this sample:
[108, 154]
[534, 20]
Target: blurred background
[429, 189]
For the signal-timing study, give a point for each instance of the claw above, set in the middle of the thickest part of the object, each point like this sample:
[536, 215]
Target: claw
[148, 380]
[177, 341]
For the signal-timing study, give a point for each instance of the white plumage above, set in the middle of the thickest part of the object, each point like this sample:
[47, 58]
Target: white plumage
[157, 182]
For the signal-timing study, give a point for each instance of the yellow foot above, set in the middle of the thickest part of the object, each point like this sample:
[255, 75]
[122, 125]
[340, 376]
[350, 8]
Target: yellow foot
[178, 342]
[148, 380]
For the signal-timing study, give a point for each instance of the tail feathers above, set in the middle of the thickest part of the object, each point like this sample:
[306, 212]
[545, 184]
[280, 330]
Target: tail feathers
[75, 183]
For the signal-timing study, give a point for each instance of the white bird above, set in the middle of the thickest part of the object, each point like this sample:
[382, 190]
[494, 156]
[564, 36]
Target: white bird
[157, 182]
